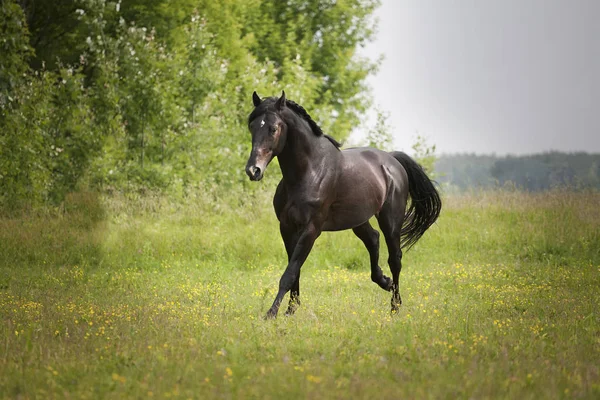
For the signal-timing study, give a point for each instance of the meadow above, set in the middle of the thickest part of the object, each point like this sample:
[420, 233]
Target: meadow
[146, 297]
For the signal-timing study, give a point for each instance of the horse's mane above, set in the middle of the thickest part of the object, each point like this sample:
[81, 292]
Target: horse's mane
[301, 112]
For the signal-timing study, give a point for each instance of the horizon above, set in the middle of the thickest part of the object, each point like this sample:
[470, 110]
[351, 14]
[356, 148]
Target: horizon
[506, 155]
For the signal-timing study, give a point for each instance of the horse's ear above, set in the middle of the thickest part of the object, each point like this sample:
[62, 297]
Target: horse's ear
[255, 99]
[280, 103]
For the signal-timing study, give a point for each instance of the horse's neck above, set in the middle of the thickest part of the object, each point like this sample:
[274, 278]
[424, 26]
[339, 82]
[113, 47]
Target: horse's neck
[304, 153]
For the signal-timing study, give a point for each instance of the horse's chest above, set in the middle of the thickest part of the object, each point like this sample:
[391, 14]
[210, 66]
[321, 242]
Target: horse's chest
[299, 213]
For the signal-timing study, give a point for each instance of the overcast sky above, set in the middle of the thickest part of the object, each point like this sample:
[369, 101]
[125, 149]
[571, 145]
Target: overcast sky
[490, 76]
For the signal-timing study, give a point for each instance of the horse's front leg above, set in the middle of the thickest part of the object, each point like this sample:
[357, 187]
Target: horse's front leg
[290, 238]
[304, 244]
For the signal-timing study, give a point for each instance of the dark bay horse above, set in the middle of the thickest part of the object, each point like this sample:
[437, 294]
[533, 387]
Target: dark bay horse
[327, 189]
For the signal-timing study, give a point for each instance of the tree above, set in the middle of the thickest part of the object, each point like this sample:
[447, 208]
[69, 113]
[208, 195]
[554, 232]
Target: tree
[15, 50]
[155, 93]
[326, 34]
[424, 153]
[379, 136]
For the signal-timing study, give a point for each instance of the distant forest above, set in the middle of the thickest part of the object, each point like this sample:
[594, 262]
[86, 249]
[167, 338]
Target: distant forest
[536, 172]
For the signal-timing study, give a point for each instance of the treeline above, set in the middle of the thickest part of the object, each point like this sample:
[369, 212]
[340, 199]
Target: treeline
[536, 172]
[155, 93]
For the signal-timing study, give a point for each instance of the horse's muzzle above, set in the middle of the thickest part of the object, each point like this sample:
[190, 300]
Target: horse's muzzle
[254, 172]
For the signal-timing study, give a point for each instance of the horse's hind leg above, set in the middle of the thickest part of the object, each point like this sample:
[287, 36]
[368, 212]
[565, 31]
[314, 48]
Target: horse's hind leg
[294, 297]
[370, 237]
[395, 262]
[391, 225]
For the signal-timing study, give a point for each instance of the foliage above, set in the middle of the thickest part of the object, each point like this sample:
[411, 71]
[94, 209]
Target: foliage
[47, 137]
[150, 94]
[424, 153]
[55, 34]
[15, 50]
[165, 299]
[24, 153]
[325, 34]
[379, 136]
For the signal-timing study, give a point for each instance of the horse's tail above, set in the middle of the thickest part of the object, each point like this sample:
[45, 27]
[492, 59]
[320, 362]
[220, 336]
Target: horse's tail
[425, 202]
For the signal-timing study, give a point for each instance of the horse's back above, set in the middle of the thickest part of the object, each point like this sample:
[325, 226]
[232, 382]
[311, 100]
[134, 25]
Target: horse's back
[376, 160]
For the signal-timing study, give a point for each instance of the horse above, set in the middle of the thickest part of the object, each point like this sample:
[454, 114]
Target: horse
[324, 188]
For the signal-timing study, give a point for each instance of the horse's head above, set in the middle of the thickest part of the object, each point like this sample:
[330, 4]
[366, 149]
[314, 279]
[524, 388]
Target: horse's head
[268, 134]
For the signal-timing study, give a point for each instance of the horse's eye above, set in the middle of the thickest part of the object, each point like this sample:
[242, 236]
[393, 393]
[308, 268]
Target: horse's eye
[273, 129]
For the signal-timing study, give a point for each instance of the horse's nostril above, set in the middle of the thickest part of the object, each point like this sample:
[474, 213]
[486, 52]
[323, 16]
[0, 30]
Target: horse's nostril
[254, 172]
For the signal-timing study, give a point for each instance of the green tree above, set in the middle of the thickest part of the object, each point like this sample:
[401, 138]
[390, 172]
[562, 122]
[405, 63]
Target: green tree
[424, 153]
[15, 50]
[379, 136]
[326, 34]
[23, 113]
[72, 139]
[156, 92]
[55, 34]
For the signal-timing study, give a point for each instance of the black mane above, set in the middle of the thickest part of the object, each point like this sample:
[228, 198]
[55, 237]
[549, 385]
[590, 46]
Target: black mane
[300, 111]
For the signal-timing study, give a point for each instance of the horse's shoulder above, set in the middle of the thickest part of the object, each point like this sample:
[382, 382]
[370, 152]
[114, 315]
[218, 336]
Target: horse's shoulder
[279, 199]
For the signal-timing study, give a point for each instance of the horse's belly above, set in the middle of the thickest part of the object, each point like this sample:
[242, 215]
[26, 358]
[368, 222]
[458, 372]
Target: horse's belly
[331, 225]
[346, 217]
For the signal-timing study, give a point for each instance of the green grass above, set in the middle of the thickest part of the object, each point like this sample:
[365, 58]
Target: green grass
[148, 297]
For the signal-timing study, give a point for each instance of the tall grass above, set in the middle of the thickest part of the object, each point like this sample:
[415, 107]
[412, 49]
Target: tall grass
[150, 297]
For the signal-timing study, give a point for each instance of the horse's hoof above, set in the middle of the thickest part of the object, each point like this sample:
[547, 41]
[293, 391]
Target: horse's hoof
[270, 315]
[396, 303]
[292, 309]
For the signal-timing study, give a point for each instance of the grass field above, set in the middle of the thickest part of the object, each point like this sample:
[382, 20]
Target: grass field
[145, 297]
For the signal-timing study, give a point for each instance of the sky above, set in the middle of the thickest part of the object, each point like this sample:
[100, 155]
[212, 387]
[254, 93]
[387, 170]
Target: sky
[490, 76]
